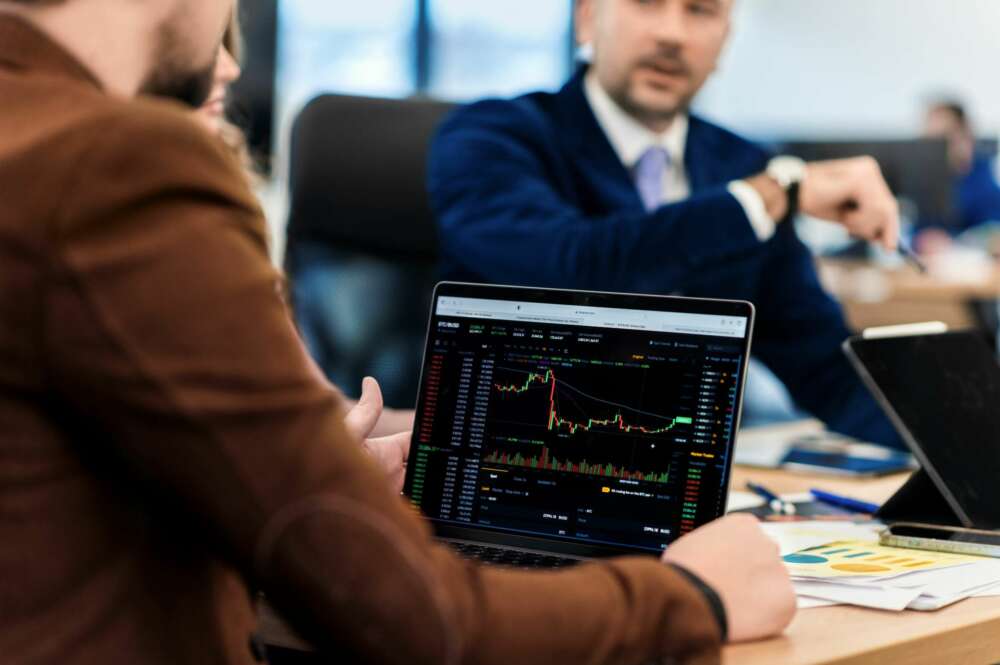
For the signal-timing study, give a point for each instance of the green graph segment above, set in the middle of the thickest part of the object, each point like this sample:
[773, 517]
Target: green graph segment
[556, 422]
[532, 378]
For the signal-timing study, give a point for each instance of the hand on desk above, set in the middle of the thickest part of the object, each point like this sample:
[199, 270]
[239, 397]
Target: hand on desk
[366, 419]
[734, 557]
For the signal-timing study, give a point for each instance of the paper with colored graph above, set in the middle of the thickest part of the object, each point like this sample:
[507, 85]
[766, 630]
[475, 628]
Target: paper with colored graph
[854, 559]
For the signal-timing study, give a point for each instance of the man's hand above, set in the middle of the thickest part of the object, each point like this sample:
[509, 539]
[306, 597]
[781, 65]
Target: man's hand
[390, 452]
[853, 193]
[850, 192]
[733, 556]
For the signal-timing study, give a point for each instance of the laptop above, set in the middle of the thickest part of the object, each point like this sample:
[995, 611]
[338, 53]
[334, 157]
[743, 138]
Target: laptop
[554, 426]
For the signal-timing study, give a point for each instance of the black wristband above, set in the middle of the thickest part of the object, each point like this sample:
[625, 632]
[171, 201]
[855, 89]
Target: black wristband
[792, 211]
[714, 602]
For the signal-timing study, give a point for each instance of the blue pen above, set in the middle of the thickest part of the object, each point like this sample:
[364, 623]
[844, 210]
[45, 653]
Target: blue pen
[844, 502]
[773, 500]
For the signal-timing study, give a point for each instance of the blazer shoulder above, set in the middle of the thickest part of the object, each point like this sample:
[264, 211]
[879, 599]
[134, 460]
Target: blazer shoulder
[150, 127]
[145, 156]
[726, 141]
[152, 143]
[520, 116]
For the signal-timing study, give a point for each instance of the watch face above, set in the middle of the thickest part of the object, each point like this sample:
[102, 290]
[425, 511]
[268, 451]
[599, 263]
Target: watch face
[787, 170]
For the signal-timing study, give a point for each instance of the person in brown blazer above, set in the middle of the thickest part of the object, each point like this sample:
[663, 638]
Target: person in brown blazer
[166, 445]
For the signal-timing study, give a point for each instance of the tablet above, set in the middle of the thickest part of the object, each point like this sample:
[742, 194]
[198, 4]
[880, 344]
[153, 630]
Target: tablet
[942, 393]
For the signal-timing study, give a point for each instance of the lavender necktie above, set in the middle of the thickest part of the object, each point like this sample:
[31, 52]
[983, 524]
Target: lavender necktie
[648, 175]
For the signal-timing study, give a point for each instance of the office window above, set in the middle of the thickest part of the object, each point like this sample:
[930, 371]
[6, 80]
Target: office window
[497, 48]
[361, 48]
[456, 50]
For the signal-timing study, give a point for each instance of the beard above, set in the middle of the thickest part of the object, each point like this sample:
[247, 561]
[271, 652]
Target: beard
[173, 76]
[191, 88]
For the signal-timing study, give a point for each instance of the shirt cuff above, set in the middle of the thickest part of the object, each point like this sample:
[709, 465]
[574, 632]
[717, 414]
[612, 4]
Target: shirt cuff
[754, 207]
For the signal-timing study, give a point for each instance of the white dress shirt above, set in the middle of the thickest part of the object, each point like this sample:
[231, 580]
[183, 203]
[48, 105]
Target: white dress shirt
[631, 140]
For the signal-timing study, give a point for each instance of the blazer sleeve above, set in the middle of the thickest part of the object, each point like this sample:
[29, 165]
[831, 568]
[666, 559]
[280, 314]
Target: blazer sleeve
[165, 328]
[800, 329]
[504, 216]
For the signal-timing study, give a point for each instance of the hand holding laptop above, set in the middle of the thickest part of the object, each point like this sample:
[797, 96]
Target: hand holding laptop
[389, 452]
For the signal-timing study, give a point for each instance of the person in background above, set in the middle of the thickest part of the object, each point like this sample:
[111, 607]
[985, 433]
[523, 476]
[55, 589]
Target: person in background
[212, 114]
[612, 184]
[977, 194]
[168, 445]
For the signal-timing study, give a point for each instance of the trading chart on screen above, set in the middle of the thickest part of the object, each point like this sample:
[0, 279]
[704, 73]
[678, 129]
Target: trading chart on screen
[608, 428]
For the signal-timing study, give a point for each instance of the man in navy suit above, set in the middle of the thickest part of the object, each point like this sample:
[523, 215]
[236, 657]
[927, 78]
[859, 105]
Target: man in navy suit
[612, 184]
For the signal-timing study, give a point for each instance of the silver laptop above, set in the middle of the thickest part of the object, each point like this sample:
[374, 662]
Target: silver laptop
[554, 426]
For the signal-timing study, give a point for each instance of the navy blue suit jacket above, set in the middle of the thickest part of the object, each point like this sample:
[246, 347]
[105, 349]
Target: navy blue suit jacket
[978, 195]
[529, 191]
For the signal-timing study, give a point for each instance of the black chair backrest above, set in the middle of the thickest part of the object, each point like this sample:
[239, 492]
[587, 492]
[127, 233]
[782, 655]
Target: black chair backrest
[358, 175]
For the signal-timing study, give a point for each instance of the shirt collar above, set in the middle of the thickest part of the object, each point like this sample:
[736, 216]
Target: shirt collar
[627, 136]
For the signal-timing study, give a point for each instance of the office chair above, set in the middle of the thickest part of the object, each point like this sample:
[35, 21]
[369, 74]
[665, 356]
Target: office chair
[362, 241]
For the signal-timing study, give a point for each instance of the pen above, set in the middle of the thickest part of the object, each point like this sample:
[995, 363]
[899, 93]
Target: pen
[844, 502]
[907, 253]
[776, 503]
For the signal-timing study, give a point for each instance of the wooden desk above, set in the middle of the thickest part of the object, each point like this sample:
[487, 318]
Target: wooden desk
[967, 633]
[873, 296]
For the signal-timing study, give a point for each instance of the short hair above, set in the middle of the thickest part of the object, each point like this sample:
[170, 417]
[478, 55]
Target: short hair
[953, 107]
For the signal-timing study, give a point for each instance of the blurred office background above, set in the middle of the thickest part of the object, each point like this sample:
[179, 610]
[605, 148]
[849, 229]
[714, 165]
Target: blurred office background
[803, 71]
[795, 67]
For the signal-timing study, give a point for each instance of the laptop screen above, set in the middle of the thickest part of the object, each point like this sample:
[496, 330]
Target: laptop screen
[599, 420]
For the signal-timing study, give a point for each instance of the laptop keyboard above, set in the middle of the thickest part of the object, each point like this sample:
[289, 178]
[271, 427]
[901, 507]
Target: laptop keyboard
[500, 556]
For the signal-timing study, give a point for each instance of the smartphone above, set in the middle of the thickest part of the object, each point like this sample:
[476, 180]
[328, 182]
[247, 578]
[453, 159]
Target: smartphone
[954, 539]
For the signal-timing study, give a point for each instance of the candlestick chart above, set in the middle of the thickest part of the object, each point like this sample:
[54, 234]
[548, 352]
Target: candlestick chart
[609, 421]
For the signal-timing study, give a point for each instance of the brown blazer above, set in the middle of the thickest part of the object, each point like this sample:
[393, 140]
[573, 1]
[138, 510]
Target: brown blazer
[166, 444]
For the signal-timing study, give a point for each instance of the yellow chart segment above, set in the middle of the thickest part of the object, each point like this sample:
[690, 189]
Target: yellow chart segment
[857, 558]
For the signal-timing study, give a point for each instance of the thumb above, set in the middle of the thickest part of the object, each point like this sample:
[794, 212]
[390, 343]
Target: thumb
[361, 419]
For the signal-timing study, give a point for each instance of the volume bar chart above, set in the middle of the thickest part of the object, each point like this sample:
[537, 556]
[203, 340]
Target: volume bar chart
[546, 461]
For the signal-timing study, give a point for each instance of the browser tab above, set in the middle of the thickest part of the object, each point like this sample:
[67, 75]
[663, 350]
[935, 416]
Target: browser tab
[597, 317]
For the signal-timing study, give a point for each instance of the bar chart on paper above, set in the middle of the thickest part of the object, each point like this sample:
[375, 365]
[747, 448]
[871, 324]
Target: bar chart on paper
[856, 558]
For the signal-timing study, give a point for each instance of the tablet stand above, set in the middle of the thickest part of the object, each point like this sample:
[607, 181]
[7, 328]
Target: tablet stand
[919, 500]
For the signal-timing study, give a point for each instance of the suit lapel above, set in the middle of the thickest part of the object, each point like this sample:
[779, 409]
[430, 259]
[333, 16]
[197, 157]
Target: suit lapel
[698, 157]
[603, 174]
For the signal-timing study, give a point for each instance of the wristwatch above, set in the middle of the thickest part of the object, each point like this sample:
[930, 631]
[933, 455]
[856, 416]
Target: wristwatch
[789, 172]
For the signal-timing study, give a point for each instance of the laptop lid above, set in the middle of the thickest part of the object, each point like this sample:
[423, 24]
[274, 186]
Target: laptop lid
[942, 393]
[576, 422]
